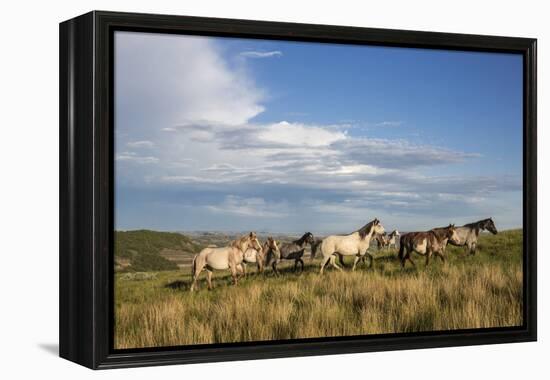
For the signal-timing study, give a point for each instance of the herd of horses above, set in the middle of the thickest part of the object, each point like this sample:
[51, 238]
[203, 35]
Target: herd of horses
[248, 250]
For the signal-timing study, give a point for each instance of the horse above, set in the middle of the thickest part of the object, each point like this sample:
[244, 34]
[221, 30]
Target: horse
[354, 244]
[426, 243]
[393, 238]
[468, 234]
[252, 255]
[291, 251]
[223, 258]
[382, 240]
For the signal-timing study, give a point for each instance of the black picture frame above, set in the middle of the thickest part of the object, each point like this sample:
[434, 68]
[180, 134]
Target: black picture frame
[86, 188]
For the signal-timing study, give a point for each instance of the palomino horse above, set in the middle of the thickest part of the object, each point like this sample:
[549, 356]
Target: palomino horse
[426, 243]
[468, 234]
[258, 257]
[291, 251]
[223, 258]
[355, 244]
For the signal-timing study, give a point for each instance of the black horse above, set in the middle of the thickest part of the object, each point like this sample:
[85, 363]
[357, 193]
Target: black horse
[291, 251]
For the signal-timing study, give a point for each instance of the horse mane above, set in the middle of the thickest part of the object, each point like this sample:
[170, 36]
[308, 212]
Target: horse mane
[237, 243]
[477, 224]
[365, 230]
[301, 240]
[438, 231]
[266, 247]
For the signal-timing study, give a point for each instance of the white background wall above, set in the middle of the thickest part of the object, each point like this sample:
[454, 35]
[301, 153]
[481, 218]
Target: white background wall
[29, 201]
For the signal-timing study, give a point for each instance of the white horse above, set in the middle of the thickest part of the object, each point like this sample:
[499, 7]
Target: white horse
[355, 244]
[223, 258]
[393, 238]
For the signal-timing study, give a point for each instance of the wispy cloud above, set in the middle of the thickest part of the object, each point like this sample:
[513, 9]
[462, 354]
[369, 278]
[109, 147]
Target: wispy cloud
[250, 207]
[388, 124]
[140, 144]
[134, 157]
[261, 54]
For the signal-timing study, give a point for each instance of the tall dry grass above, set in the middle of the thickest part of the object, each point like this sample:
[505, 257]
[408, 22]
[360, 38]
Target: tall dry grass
[468, 292]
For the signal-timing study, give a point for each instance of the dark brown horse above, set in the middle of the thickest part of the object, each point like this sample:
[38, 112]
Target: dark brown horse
[426, 243]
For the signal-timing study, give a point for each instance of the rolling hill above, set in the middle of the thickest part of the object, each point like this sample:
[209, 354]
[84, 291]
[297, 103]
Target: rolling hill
[145, 250]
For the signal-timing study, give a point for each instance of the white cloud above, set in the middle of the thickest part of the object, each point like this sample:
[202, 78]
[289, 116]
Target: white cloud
[181, 80]
[133, 157]
[389, 124]
[296, 134]
[261, 54]
[140, 144]
[250, 207]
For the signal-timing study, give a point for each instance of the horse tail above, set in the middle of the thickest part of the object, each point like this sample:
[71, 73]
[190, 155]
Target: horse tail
[194, 266]
[315, 248]
[401, 248]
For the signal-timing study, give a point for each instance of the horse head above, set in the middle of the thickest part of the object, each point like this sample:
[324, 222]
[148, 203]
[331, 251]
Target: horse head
[271, 251]
[377, 227]
[451, 233]
[489, 225]
[253, 242]
[272, 244]
[309, 239]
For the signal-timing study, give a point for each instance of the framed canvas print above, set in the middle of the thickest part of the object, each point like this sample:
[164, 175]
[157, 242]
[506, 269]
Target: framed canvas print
[236, 189]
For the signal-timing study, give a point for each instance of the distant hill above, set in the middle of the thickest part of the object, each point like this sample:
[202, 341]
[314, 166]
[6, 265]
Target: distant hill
[145, 250]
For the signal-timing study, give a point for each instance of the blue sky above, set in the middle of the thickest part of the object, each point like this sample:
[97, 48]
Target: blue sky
[235, 135]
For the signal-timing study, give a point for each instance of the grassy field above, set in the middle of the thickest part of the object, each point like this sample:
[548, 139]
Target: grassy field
[485, 290]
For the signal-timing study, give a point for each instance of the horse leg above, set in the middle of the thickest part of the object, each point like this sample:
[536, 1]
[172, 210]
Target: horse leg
[324, 262]
[333, 262]
[260, 264]
[296, 265]
[301, 264]
[234, 274]
[355, 260]
[371, 259]
[428, 255]
[196, 274]
[209, 278]
[274, 266]
[403, 254]
[193, 284]
[473, 249]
